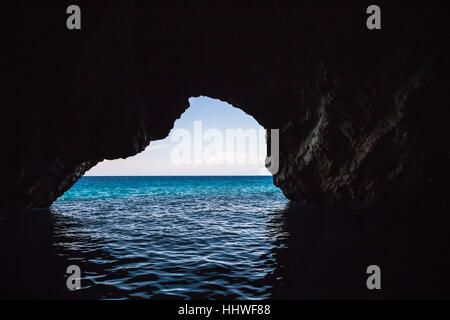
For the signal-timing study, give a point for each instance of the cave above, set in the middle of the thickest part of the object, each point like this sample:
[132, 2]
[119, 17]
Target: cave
[362, 114]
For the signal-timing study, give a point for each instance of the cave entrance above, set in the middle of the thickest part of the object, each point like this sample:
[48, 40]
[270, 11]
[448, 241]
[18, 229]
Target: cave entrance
[179, 218]
[210, 138]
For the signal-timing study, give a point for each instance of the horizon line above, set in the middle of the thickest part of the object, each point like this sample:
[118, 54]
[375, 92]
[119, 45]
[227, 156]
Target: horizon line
[203, 175]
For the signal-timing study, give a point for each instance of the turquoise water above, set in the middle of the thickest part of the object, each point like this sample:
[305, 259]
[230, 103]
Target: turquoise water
[207, 238]
[173, 237]
[186, 238]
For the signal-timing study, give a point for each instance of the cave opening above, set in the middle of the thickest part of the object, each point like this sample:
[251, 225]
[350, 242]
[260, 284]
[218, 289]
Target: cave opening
[194, 228]
[210, 138]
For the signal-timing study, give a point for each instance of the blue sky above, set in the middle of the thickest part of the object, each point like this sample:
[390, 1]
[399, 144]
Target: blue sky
[158, 157]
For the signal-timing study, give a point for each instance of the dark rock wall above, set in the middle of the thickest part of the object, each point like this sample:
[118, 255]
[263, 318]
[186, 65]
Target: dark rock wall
[363, 115]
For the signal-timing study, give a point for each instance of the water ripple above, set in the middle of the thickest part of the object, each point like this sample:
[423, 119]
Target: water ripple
[170, 237]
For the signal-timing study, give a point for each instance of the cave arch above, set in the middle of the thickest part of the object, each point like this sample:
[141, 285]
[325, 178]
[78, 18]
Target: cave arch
[341, 100]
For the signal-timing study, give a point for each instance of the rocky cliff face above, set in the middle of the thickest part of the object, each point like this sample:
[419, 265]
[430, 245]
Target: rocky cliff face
[349, 152]
[362, 114]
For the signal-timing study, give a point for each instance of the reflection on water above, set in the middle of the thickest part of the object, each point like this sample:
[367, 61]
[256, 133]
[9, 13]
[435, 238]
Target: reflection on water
[241, 250]
[151, 237]
[310, 256]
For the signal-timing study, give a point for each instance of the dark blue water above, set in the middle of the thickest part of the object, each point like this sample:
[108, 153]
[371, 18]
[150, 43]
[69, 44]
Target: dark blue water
[208, 238]
[182, 238]
[174, 237]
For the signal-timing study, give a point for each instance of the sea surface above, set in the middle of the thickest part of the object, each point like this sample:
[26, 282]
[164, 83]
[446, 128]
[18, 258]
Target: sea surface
[181, 237]
[162, 237]
[222, 237]
[211, 238]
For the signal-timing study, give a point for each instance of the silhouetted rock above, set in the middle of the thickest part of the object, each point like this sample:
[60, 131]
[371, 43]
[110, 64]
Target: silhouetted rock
[363, 115]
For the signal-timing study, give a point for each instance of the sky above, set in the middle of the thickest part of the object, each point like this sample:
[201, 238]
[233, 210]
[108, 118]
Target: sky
[211, 138]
